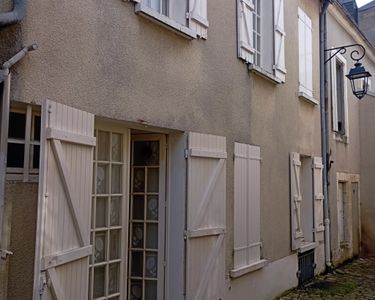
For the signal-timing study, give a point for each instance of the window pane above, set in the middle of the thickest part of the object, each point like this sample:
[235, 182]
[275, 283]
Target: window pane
[100, 246]
[102, 179]
[103, 145]
[115, 211]
[137, 263]
[101, 212]
[138, 180]
[116, 147]
[138, 208]
[151, 290]
[114, 278]
[116, 179]
[99, 279]
[17, 125]
[151, 264]
[136, 290]
[35, 151]
[15, 155]
[152, 207]
[36, 128]
[115, 244]
[152, 236]
[152, 180]
[146, 153]
[137, 236]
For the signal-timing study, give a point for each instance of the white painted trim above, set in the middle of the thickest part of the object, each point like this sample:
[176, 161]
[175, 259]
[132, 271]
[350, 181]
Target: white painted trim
[307, 98]
[205, 232]
[70, 137]
[264, 74]
[58, 259]
[306, 246]
[203, 153]
[56, 289]
[238, 272]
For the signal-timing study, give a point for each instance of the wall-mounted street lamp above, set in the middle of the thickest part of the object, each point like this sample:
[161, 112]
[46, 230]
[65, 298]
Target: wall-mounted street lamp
[358, 75]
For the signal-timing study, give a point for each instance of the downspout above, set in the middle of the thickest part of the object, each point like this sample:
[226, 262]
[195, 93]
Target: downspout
[324, 131]
[14, 16]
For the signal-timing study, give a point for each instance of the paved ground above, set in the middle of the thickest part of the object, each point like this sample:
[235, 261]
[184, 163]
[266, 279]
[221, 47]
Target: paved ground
[354, 281]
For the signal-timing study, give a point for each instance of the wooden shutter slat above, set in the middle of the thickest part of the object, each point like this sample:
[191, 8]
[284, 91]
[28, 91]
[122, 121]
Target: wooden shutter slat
[65, 257]
[52, 133]
[295, 200]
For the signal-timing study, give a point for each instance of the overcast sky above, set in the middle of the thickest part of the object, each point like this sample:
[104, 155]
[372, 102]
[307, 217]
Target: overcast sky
[362, 2]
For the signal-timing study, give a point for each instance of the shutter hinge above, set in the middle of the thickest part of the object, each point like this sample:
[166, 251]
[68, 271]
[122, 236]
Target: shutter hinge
[185, 235]
[187, 15]
[43, 282]
[186, 153]
[5, 253]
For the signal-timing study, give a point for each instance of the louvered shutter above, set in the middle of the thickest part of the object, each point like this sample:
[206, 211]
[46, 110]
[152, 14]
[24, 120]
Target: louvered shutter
[296, 200]
[279, 43]
[318, 198]
[64, 207]
[334, 94]
[198, 17]
[246, 205]
[305, 53]
[206, 194]
[245, 10]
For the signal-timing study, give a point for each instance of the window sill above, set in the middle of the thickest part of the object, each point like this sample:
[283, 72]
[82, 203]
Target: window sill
[341, 138]
[307, 246]
[264, 74]
[307, 98]
[144, 11]
[235, 273]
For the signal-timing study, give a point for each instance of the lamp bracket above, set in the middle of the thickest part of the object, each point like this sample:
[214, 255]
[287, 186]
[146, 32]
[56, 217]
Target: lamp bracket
[355, 54]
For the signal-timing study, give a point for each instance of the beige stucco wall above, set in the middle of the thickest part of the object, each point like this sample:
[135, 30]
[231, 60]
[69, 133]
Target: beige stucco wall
[102, 57]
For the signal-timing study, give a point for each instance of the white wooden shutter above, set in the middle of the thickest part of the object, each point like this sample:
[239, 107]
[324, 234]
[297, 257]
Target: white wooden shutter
[279, 36]
[198, 17]
[334, 94]
[318, 198]
[206, 194]
[64, 208]
[245, 10]
[305, 53]
[295, 200]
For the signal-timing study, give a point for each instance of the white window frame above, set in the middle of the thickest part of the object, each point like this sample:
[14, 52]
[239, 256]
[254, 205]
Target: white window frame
[26, 173]
[342, 137]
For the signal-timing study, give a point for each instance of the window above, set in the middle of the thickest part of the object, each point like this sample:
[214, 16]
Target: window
[23, 143]
[305, 86]
[185, 17]
[247, 244]
[339, 98]
[261, 39]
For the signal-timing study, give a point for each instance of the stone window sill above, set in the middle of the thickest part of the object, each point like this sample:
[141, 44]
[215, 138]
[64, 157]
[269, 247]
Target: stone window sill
[264, 74]
[307, 98]
[307, 246]
[341, 138]
[144, 11]
[235, 273]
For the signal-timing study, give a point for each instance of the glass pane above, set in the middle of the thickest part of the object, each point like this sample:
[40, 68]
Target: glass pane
[152, 236]
[36, 128]
[114, 244]
[115, 211]
[151, 264]
[99, 279]
[138, 180]
[91, 256]
[137, 263]
[146, 153]
[35, 151]
[152, 207]
[114, 278]
[137, 237]
[103, 145]
[17, 125]
[15, 155]
[151, 290]
[152, 180]
[116, 179]
[102, 179]
[101, 212]
[100, 246]
[138, 207]
[116, 147]
[136, 290]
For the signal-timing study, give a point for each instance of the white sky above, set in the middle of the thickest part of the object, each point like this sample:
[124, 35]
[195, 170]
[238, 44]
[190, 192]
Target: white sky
[362, 2]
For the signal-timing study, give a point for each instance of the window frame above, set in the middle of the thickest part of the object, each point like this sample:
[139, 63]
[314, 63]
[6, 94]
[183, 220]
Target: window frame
[27, 173]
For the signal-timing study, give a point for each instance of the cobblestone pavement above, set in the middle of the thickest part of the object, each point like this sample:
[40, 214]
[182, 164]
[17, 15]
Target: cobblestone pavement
[354, 281]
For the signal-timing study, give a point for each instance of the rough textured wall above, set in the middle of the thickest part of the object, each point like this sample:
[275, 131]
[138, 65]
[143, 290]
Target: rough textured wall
[366, 23]
[23, 198]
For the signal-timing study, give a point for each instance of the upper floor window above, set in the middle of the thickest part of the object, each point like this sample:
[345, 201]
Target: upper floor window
[23, 143]
[185, 17]
[261, 39]
[339, 97]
